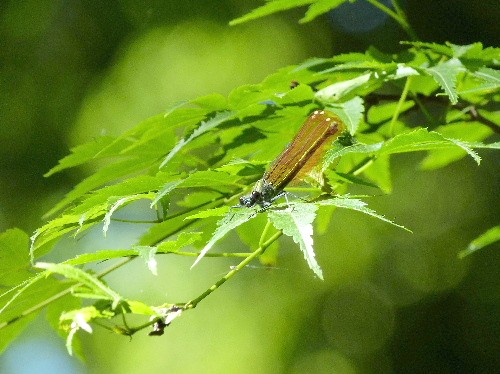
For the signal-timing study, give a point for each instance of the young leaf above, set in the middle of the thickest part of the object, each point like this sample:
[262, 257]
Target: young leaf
[77, 319]
[297, 223]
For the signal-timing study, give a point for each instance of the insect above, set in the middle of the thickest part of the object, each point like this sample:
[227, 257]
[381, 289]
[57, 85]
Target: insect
[299, 157]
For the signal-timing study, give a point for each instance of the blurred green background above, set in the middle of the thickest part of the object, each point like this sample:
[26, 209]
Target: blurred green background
[391, 301]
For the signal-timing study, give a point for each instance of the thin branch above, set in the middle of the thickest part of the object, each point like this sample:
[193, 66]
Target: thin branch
[194, 302]
[401, 100]
[400, 18]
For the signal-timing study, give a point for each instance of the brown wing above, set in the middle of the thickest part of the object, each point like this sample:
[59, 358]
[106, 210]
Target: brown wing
[306, 149]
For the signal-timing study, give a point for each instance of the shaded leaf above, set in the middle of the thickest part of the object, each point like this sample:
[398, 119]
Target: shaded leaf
[15, 276]
[82, 154]
[203, 128]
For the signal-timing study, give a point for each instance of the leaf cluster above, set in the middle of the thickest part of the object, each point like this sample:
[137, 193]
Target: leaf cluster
[191, 163]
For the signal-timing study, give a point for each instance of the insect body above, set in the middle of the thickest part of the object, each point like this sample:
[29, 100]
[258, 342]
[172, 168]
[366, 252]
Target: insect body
[299, 157]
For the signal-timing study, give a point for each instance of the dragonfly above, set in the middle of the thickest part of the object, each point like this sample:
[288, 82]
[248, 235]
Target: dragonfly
[303, 153]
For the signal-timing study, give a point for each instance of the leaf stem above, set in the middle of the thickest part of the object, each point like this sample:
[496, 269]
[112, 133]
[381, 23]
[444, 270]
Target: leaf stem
[401, 101]
[264, 233]
[399, 16]
[193, 303]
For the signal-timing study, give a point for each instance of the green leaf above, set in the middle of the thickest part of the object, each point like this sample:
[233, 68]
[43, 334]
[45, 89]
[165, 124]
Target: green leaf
[438, 48]
[209, 178]
[138, 307]
[9, 330]
[141, 184]
[446, 75]
[351, 112]
[104, 175]
[15, 272]
[20, 304]
[336, 91]
[465, 132]
[359, 206]
[297, 223]
[271, 7]
[170, 246]
[203, 128]
[14, 257]
[319, 7]
[422, 139]
[165, 191]
[148, 253]
[487, 238]
[118, 204]
[215, 212]
[96, 287]
[183, 239]
[416, 140]
[489, 75]
[228, 223]
[102, 255]
[380, 173]
[462, 50]
[82, 154]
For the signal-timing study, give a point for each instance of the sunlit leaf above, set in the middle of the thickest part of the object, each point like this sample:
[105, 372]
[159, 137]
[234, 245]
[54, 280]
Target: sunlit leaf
[116, 205]
[319, 7]
[98, 288]
[350, 112]
[336, 91]
[296, 222]
[148, 253]
[357, 205]
[271, 7]
[487, 238]
[232, 220]
[446, 75]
